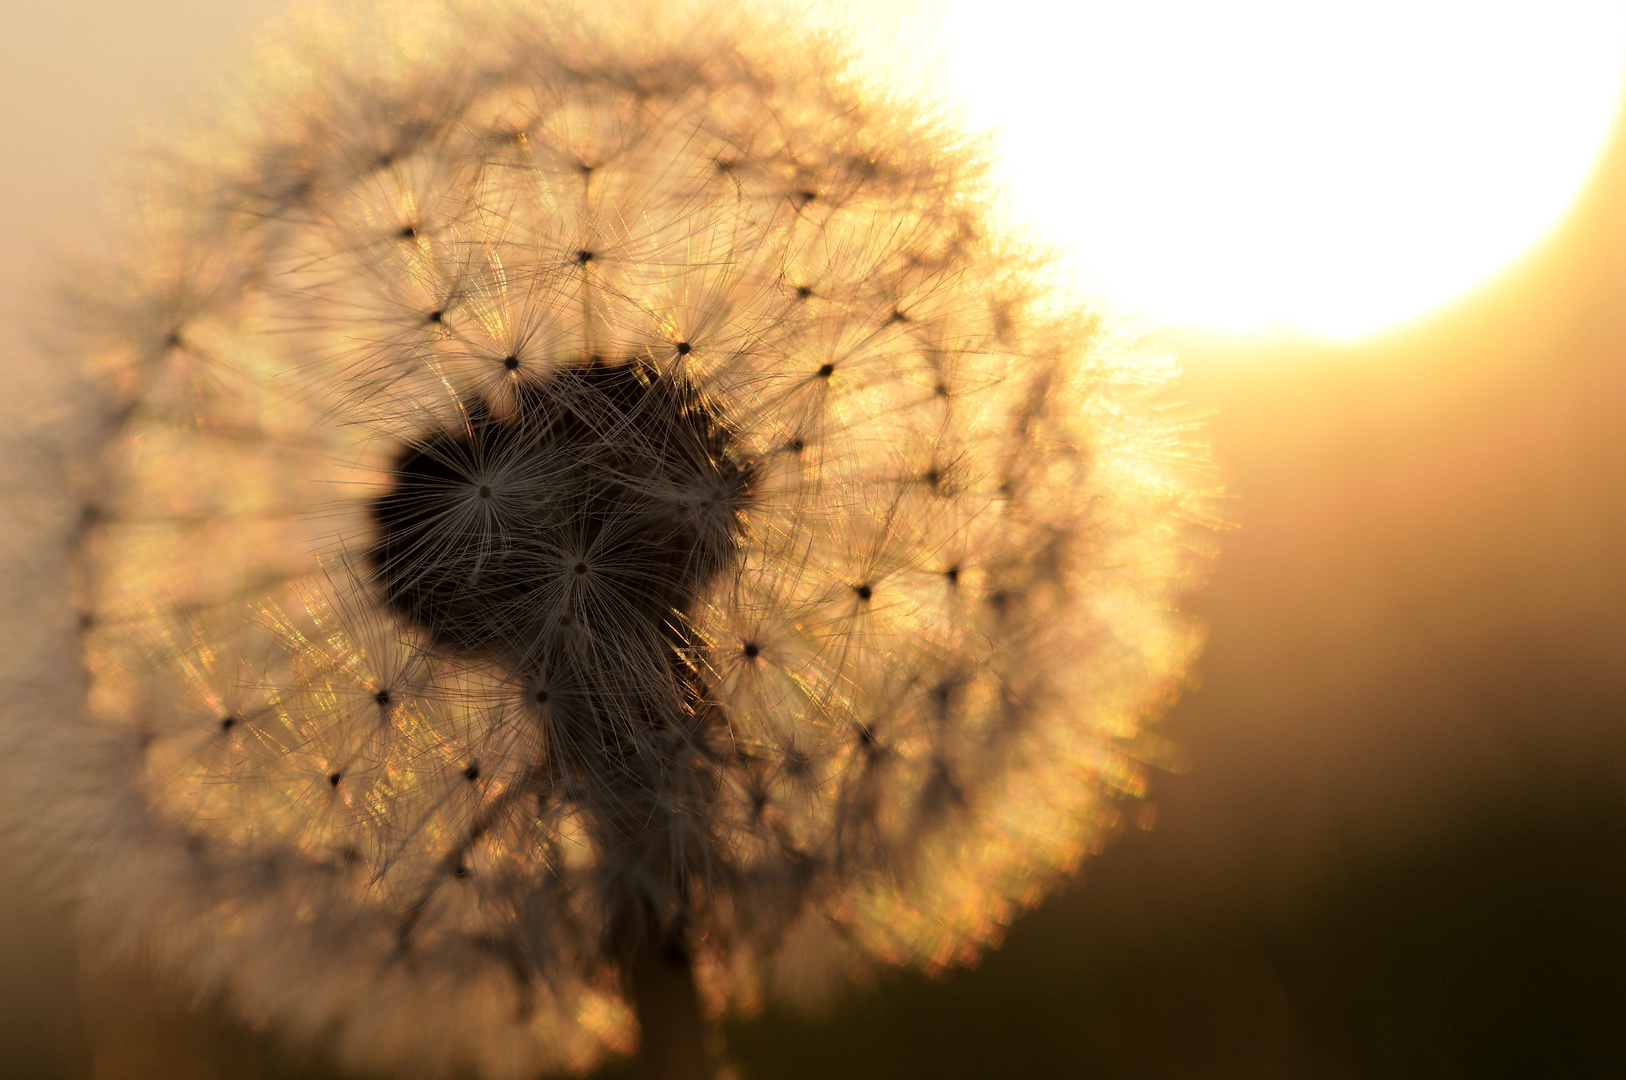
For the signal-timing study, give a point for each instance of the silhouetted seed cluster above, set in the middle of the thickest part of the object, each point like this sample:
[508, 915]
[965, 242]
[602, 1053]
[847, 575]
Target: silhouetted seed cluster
[575, 475]
[605, 494]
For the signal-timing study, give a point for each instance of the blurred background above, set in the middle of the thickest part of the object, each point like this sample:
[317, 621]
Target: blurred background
[1400, 847]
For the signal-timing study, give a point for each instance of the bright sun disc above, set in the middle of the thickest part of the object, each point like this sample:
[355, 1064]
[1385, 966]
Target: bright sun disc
[1335, 167]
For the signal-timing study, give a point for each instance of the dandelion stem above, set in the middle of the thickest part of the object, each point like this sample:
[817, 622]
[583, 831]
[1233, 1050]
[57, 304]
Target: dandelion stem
[672, 1044]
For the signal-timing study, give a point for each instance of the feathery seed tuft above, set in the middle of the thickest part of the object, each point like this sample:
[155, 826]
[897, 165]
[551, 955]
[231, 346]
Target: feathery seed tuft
[577, 483]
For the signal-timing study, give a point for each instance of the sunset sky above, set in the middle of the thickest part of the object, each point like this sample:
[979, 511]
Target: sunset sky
[1397, 849]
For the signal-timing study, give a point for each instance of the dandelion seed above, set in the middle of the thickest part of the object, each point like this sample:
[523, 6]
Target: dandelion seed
[592, 524]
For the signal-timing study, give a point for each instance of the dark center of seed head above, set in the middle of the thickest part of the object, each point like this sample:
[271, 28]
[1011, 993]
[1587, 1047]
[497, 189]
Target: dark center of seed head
[607, 454]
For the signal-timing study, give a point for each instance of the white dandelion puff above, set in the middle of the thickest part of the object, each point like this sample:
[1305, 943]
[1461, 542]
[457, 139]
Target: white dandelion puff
[585, 519]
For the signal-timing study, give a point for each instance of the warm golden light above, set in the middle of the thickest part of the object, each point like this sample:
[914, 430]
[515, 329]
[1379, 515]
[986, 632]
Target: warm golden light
[1339, 168]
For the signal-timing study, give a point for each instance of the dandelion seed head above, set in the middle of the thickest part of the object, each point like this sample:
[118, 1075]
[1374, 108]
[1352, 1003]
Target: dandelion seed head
[564, 468]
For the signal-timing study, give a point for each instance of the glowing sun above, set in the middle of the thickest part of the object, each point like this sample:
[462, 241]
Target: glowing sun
[1336, 167]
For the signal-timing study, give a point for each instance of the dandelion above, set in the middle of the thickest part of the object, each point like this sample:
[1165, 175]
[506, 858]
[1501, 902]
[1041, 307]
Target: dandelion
[586, 523]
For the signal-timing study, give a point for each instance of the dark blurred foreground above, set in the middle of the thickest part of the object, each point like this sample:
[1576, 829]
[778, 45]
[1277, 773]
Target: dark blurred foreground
[1401, 849]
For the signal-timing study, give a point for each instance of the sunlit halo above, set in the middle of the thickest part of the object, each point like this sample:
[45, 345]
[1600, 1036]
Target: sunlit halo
[1336, 167]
